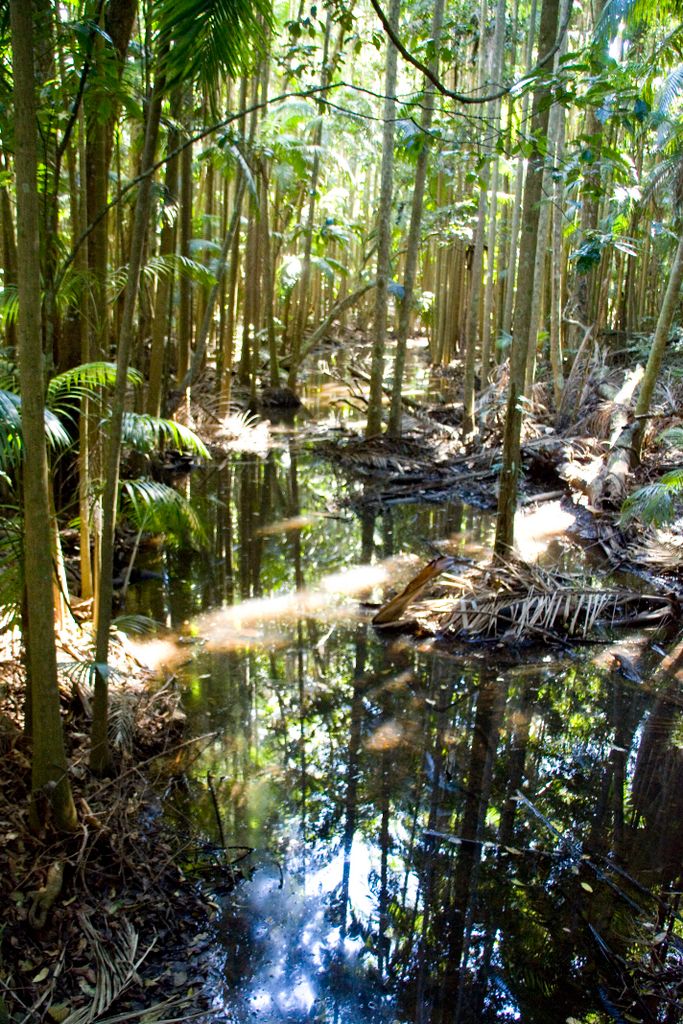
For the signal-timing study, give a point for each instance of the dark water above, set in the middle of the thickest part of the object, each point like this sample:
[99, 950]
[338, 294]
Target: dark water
[429, 835]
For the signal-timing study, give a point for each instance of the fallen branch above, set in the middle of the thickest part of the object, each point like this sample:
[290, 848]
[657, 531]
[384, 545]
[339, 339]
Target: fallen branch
[324, 327]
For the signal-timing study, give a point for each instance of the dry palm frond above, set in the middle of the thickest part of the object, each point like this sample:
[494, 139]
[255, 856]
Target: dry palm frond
[381, 454]
[117, 963]
[515, 602]
[123, 706]
[657, 549]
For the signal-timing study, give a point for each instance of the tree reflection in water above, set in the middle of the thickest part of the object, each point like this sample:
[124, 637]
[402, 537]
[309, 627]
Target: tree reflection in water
[480, 836]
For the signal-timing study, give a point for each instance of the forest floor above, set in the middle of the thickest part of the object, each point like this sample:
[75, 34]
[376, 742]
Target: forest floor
[104, 916]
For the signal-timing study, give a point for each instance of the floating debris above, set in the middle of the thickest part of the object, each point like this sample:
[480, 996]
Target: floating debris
[514, 602]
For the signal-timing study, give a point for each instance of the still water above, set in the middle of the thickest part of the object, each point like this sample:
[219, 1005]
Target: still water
[413, 834]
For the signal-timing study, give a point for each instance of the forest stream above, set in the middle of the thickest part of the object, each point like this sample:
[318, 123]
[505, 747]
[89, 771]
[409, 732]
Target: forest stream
[395, 830]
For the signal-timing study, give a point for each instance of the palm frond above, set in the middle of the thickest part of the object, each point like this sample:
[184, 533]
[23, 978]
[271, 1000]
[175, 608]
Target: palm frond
[671, 90]
[165, 266]
[144, 433]
[9, 304]
[117, 960]
[10, 430]
[122, 716]
[11, 566]
[157, 508]
[66, 390]
[206, 38]
[635, 13]
[672, 437]
[11, 436]
[135, 624]
[655, 503]
[518, 602]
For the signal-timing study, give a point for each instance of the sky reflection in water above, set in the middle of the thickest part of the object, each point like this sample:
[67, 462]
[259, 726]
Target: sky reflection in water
[458, 832]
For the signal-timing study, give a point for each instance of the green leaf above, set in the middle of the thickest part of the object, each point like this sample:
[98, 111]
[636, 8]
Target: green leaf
[207, 38]
[157, 508]
[135, 624]
[66, 391]
[144, 433]
[654, 504]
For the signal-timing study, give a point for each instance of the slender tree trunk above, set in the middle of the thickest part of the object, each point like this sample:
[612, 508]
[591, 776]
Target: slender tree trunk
[225, 383]
[511, 262]
[555, 132]
[210, 305]
[477, 266]
[49, 779]
[507, 497]
[161, 327]
[185, 233]
[100, 755]
[672, 298]
[413, 247]
[556, 273]
[268, 283]
[374, 421]
[304, 283]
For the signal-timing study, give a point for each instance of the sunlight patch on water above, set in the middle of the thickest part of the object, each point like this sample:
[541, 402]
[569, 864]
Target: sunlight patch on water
[536, 530]
[242, 625]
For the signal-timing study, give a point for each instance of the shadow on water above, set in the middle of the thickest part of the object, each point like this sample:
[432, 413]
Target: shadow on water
[431, 836]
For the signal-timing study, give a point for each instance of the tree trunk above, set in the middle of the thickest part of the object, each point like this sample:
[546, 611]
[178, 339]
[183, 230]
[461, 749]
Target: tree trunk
[507, 498]
[661, 336]
[413, 246]
[210, 305]
[477, 265]
[511, 262]
[556, 273]
[374, 421]
[304, 283]
[100, 755]
[161, 327]
[185, 233]
[49, 778]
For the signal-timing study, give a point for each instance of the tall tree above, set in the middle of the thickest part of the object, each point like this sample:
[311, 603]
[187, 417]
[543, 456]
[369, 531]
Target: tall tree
[49, 779]
[507, 496]
[195, 39]
[414, 231]
[374, 422]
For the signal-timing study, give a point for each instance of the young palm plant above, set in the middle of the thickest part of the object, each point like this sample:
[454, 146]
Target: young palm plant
[657, 503]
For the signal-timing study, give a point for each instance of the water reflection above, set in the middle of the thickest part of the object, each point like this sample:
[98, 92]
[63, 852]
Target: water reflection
[435, 837]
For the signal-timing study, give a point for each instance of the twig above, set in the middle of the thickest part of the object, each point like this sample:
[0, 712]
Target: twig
[216, 809]
[162, 753]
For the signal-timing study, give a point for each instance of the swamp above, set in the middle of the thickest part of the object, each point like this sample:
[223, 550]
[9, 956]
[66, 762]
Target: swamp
[341, 470]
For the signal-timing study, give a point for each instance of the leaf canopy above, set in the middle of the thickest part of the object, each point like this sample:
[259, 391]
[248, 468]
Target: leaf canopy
[208, 38]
